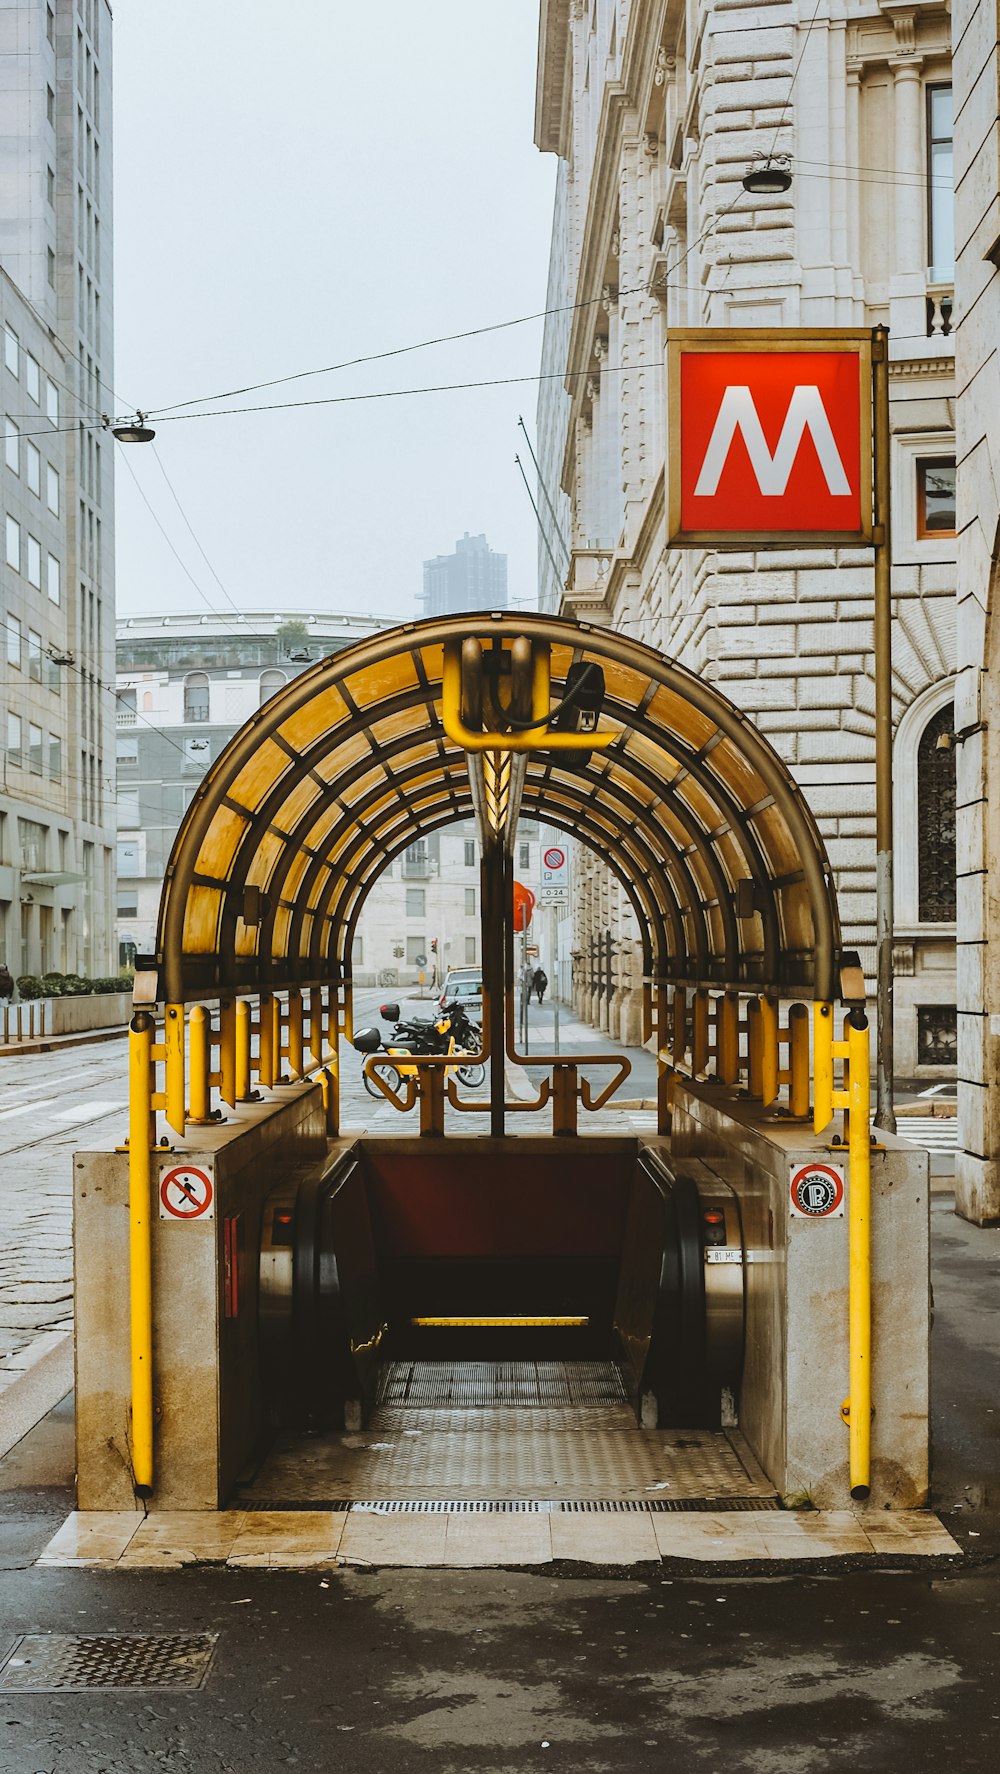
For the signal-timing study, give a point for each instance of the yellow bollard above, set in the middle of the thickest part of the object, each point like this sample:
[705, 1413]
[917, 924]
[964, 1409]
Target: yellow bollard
[173, 1039]
[727, 1038]
[699, 1033]
[769, 1067]
[798, 1060]
[227, 1051]
[265, 1041]
[859, 1244]
[295, 1043]
[822, 1067]
[200, 1058]
[755, 1069]
[140, 1208]
[243, 1089]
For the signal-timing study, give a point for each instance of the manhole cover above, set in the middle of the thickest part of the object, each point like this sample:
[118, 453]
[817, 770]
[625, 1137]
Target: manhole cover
[43, 1662]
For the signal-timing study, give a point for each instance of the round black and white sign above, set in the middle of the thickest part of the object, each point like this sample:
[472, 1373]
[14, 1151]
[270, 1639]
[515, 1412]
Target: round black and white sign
[817, 1191]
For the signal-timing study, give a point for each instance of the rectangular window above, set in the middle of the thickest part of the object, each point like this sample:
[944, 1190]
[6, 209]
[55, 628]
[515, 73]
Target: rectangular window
[935, 496]
[470, 854]
[13, 544]
[34, 656]
[52, 489]
[50, 25]
[470, 902]
[416, 902]
[50, 187]
[33, 468]
[128, 903]
[416, 951]
[50, 105]
[34, 749]
[51, 401]
[54, 585]
[31, 377]
[55, 757]
[34, 563]
[358, 952]
[11, 446]
[50, 267]
[127, 754]
[14, 752]
[940, 186]
[937, 1035]
[10, 349]
[14, 642]
[128, 857]
[470, 951]
[524, 851]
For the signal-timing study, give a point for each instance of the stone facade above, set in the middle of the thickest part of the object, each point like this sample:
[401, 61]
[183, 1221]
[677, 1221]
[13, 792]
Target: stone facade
[977, 704]
[656, 112]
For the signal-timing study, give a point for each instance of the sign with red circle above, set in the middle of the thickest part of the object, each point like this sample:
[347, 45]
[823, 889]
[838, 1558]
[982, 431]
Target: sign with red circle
[186, 1193]
[817, 1191]
[554, 858]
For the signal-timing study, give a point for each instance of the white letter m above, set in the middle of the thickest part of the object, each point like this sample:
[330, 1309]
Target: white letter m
[737, 412]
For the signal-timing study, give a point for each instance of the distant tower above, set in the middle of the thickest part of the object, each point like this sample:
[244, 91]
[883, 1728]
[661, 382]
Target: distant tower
[473, 578]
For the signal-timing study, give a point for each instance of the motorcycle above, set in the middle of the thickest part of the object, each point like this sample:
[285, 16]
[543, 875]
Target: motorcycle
[450, 1032]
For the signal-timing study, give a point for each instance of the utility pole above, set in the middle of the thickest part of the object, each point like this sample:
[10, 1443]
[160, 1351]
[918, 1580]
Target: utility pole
[885, 1117]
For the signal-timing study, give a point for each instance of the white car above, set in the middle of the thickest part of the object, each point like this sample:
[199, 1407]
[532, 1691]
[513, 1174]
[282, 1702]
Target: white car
[464, 985]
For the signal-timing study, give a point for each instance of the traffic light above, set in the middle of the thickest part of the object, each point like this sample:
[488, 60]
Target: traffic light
[434, 945]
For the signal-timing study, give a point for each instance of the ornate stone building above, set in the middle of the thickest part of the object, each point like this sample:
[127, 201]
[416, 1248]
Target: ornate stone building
[656, 111]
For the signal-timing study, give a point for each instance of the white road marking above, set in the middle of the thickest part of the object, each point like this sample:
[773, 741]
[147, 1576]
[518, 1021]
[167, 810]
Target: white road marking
[86, 1111]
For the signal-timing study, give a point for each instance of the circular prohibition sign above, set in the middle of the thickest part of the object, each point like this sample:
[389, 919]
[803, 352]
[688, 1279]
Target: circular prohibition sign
[554, 858]
[817, 1191]
[186, 1193]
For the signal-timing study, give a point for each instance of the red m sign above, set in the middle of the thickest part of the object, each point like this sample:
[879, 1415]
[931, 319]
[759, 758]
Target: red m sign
[770, 437]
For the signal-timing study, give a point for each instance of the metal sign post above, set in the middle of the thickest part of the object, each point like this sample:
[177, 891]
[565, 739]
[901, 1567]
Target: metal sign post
[885, 1117]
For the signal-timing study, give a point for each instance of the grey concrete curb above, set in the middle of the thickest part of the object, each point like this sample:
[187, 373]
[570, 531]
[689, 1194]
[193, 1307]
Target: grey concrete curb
[29, 1398]
[52, 1043]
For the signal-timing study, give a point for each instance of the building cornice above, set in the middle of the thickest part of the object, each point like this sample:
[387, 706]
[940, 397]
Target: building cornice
[553, 74]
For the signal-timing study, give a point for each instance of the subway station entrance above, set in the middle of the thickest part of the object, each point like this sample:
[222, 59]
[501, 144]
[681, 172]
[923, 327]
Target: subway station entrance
[279, 1310]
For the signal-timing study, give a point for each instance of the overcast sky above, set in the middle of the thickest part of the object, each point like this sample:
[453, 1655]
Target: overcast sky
[297, 185]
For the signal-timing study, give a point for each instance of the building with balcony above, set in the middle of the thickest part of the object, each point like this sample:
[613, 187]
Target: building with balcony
[655, 112]
[56, 483]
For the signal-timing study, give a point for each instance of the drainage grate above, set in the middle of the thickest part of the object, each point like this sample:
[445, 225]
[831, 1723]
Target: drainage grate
[42, 1663]
[711, 1505]
[514, 1506]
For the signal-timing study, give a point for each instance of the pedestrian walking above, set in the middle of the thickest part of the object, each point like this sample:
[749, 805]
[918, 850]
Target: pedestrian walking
[539, 981]
[6, 982]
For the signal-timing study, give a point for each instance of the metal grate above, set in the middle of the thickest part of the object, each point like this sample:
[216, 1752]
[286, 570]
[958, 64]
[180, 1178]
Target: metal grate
[43, 1663]
[415, 1385]
[506, 1506]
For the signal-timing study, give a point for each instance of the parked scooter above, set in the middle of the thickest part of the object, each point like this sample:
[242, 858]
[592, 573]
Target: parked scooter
[450, 1032]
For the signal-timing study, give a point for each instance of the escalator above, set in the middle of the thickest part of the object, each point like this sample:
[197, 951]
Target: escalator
[499, 1320]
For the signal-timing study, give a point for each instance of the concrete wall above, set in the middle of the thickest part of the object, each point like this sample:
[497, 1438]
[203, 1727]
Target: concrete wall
[205, 1365]
[64, 1016]
[796, 1370]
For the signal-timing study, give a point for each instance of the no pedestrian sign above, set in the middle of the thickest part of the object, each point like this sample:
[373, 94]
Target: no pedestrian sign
[186, 1193]
[817, 1192]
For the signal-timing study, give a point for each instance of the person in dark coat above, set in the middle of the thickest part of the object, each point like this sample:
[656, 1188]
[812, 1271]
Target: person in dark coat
[6, 982]
[539, 981]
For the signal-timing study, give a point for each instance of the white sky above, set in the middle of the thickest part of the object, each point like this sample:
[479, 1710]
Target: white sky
[297, 184]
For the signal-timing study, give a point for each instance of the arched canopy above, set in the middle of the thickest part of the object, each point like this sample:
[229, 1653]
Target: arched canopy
[349, 763]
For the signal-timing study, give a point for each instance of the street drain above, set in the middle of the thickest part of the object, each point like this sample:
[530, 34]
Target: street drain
[42, 1663]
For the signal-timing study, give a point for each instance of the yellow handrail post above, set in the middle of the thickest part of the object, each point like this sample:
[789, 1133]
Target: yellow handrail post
[769, 1080]
[798, 1060]
[755, 1067]
[430, 1083]
[727, 1038]
[265, 1041]
[278, 1049]
[243, 1090]
[343, 1024]
[295, 1044]
[565, 1091]
[699, 1032]
[200, 1045]
[822, 1067]
[859, 1241]
[227, 1051]
[680, 1025]
[173, 1039]
[332, 1070]
[140, 1209]
[316, 1043]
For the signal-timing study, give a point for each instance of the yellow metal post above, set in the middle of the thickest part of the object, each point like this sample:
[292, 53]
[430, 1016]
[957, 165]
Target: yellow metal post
[316, 1044]
[277, 1049]
[200, 1057]
[727, 1037]
[243, 1092]
[822, 1067]
[295, 1043]
[173, 1039]
[227, 1051]
[431, 1086]
[332, 1074]
[755, 1068]
[769, 1080]
[265, 1041]
[565, 1092]
[859, 1236]
[798, 1060]
[699, 1033]
[140, 1207]
[680, 1025]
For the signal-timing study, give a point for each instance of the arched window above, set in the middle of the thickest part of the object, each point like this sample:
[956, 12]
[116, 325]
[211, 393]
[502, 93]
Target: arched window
[196, 696]
[270, 683]
[936, 821]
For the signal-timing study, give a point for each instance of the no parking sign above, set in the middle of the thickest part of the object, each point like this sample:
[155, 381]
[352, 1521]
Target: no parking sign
[817, 1192]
